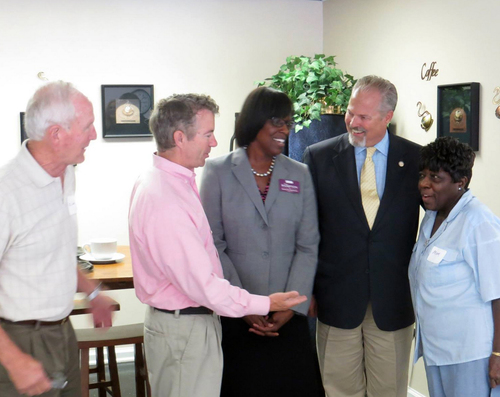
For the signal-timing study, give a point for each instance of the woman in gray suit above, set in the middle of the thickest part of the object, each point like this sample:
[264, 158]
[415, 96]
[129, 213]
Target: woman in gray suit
[262, 211]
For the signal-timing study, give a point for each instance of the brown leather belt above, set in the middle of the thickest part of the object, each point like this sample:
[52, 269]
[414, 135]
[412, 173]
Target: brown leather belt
[35, 322]
[189, 310]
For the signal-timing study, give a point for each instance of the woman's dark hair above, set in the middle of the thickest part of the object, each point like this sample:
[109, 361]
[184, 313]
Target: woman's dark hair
[450, 155]
[262, 104]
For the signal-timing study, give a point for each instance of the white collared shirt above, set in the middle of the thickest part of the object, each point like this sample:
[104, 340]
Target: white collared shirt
[38, 238]
[454, 276]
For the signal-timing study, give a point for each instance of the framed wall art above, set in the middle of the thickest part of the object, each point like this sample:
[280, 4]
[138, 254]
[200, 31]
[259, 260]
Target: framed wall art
[126, 110]
[24, 136]
[458, 112]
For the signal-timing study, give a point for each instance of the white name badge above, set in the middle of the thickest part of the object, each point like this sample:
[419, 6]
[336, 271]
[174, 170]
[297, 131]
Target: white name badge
[71, 205]
[436, 255]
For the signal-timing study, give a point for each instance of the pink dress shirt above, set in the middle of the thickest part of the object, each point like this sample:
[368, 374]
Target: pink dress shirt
[174, 259]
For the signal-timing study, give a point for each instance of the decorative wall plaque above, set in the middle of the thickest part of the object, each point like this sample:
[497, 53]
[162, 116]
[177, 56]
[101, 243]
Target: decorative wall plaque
[458, 112]
[126, 110]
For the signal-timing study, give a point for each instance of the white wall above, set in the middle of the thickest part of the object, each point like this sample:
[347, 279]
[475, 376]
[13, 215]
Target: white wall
[218, 47]
[394, 39]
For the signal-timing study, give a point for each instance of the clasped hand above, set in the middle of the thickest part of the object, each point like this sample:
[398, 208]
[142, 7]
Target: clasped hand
[268, 325]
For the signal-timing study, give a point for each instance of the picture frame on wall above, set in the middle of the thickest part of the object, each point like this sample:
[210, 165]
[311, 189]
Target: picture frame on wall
[24, 136]
[126, 110]
[458, 112]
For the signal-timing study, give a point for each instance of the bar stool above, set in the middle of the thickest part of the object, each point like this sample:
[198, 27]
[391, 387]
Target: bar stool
[98, 338]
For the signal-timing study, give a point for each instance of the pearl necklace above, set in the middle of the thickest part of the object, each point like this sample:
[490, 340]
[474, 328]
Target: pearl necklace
[269, 171]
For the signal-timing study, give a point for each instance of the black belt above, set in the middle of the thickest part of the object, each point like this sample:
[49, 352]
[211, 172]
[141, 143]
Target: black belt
[188, 310]
[35, 322]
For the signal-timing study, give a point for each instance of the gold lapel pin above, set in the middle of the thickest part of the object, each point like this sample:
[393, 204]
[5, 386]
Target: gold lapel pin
[401, 164]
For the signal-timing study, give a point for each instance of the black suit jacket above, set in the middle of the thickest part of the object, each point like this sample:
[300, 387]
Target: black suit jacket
[357, 265]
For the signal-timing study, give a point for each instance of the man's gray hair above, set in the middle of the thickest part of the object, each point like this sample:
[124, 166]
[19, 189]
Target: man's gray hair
[51, 104]
[386, 89]
[177, 112]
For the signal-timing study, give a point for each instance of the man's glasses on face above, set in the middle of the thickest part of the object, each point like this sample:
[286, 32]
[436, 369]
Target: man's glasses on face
[278, 122]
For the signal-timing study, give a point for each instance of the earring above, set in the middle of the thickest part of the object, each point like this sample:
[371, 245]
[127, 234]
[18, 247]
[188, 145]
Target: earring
[459, 188]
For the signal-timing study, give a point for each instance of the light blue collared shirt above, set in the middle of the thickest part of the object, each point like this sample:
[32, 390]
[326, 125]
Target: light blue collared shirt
[379, 159]
[453, 287]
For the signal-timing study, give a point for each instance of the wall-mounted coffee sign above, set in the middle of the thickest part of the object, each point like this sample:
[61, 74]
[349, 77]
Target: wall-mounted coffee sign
[428, 74]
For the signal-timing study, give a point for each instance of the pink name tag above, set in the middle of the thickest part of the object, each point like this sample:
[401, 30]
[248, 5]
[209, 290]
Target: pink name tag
[288, 186]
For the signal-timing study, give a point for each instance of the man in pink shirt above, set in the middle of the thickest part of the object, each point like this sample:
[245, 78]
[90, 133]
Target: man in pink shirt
[177, 271]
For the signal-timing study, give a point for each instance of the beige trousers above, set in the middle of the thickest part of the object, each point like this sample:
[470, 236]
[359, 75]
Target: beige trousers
[183, 353]
[364, 360]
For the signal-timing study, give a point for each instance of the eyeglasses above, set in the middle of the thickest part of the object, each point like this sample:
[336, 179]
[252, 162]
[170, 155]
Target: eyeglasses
[277, 122]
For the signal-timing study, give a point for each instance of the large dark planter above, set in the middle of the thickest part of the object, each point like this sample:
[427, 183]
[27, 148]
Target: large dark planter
[330, 125]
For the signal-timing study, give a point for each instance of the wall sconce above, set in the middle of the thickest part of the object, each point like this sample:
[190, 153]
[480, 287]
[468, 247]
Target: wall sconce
[496, 101]
[41, 76]
[427, 120]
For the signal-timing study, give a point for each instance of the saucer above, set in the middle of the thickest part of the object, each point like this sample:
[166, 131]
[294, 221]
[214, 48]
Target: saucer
[116, 257]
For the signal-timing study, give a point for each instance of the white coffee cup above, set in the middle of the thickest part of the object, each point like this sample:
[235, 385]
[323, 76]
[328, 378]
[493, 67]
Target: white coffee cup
[102, 249]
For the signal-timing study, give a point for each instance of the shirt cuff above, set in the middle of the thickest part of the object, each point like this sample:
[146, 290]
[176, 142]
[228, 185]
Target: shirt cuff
[259, 304]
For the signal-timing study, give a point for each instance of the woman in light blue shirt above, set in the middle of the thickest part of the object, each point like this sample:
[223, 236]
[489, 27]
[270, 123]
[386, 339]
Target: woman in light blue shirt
[455, 277]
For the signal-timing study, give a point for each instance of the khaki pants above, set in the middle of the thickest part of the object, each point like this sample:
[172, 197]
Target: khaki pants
[55, 347]
[183, 353]
[364, 360]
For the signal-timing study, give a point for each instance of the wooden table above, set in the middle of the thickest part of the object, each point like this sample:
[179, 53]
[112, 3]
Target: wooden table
[82, 306]
[115, 275]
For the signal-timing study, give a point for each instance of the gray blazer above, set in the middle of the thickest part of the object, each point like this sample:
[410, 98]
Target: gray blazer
[263, 248]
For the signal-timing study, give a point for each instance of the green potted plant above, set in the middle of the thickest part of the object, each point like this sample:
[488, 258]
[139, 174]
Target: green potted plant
[314, 85]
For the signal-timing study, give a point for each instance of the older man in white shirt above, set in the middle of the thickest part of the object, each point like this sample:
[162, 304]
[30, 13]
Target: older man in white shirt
[38, 239]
